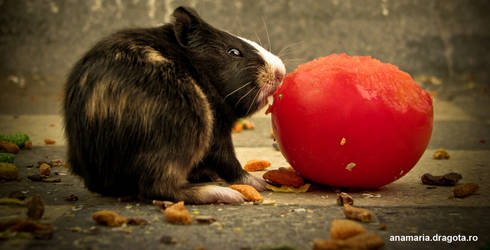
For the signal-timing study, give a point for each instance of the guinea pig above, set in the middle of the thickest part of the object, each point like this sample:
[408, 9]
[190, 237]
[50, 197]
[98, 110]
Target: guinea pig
[148, 112]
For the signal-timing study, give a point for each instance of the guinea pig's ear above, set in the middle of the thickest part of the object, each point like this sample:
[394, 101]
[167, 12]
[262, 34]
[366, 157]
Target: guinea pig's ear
[186, 23]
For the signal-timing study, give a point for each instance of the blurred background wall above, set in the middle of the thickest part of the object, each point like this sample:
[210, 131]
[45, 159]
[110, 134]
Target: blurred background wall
[443, 44]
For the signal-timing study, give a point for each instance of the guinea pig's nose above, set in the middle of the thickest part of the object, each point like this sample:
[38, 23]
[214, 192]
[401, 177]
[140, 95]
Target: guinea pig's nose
[279, 75]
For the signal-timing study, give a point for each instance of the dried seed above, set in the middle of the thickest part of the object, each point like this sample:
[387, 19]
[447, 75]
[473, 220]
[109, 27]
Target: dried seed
[342, 142]
[344, 198]
[8, 171]
[449, 179]
[256, 165]
[250, 193]
[356, 213]
[204, 219]
[44, 169]
[162, 204]
[441, 154]
[367, 240]
[178, 214]
[465, 190]
[108, 218]
[350, 166]
[343, 229]
[35, 207]
[9, 147]
[57, 163]
[49, 141]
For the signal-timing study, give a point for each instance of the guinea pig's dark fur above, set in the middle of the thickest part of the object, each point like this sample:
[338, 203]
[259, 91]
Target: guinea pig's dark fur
[148, 112]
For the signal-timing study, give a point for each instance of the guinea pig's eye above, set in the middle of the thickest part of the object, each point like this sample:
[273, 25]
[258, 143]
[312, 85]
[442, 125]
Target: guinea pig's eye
[234, 52]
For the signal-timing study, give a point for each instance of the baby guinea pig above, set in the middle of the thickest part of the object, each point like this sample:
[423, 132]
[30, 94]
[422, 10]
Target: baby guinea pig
[149, 112]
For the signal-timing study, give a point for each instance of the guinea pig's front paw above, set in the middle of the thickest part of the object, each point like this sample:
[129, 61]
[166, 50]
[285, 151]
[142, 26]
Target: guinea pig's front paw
[217, 194]
[256, 182]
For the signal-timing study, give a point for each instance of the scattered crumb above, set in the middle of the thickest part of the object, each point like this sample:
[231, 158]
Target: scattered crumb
[356, 213]
[465, 190]
[44, 170]
[288, 189]
[49, 141]
[248, 124]
[9, 147]
[162, 204]
[237, 128]
[342, 142]
[256, 165]
[284, 177]
[35, 207]
[250, 193]
[57, 163]
[204, 219]
[441, 154]
[8, 171]
[178, 214]
[108, 218]
[367, 240]
[344, 198]
[350, 166]
[449, 179]
[342, 229]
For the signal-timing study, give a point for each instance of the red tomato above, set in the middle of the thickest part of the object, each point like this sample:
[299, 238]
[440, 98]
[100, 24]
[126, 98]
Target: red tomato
[351, 121]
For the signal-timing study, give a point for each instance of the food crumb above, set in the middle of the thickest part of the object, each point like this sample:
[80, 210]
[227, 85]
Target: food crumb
[8, 171]
[108, 218]
[250, 193]
[256, 165]
[49, 141]
[449, 179]
[441, 154]
[368, 240]
[35, 207]
[465, 190]
[356, 213]
[284, 177]
[344, 198]
[342, 142]
[178, 214]
[341, 229]
[44, 169]
[350, 166]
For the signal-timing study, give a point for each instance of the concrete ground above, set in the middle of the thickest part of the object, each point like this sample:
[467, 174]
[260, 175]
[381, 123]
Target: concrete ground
[406, 206]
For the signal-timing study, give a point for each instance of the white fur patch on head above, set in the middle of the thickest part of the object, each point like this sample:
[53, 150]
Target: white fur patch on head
[269, 58]
[270, 76]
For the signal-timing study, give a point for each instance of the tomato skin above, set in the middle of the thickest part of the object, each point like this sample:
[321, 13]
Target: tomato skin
[351, 121]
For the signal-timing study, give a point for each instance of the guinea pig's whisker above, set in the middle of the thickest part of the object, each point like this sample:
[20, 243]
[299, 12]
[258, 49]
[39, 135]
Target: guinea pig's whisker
[267, 33]
[258, 39]
[241, 98]
[253, 101]
[297, 46]
[234, 91]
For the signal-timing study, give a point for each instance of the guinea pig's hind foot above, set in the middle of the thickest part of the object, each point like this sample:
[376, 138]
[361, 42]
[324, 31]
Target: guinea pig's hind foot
[217, 194]
[256, 182]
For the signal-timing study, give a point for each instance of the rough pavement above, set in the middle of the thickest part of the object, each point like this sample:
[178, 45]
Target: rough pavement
[406, 206]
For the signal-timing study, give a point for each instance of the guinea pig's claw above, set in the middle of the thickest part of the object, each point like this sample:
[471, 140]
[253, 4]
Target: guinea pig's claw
[217, 194]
